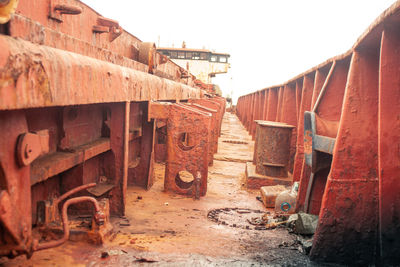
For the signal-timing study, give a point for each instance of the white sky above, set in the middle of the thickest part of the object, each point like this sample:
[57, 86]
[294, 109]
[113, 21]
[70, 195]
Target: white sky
[270, 41]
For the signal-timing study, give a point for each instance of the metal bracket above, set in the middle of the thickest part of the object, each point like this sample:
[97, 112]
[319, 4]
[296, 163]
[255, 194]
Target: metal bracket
[32, 145]
[57, 10]
[312, 144]
[188, 137]
[105, 25]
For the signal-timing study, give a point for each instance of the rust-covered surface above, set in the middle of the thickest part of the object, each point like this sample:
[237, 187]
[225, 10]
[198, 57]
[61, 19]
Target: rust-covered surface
[164, 228]
[346, 114]
[75, 90]
[188, 142]
[87, 109]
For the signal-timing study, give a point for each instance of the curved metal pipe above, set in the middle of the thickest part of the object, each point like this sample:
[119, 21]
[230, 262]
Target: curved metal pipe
[64, 215]
[73, 191]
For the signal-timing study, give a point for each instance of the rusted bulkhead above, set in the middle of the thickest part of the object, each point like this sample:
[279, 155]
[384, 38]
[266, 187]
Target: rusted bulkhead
[75, 123]
[344, 150]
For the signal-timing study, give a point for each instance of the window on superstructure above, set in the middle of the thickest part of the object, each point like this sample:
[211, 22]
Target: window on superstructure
[189, 55]
[181, 55]
[173, 55]
[196, 55]
[204, 56]
[223, 59]
[213, 58]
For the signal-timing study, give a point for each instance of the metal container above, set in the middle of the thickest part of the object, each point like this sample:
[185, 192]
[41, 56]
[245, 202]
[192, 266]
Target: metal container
[272, 148]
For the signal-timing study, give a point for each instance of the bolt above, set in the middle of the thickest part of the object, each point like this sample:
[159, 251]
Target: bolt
[99, 217]
[28, 149]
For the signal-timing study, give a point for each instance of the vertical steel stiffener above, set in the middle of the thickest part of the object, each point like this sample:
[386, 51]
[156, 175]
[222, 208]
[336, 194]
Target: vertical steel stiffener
[347, 118]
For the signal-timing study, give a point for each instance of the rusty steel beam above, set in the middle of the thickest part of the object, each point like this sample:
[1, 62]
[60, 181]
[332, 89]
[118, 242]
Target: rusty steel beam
[388, 152]
[49, 73]
[15, 191]
[54, 23]
[347, 186]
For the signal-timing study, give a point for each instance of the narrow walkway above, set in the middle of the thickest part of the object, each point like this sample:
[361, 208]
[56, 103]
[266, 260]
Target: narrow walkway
[172, 230]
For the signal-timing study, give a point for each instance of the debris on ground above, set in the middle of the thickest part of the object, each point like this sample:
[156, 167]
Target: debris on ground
[301, 244]
[114, 252]
[269, 194]
[286, 200]
[304, 226]
[259, 199]
[125, 222]
[306, 244]
[148, 260]
[303, 223]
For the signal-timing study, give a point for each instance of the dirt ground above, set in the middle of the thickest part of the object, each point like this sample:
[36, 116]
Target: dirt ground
[163, 229]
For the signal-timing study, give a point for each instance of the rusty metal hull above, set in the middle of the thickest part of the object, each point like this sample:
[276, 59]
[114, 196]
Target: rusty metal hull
[345, 155]
[74, 110]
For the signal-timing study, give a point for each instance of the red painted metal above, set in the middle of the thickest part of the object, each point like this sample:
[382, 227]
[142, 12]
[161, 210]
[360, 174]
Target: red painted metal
[188, 131]
[350, 176]
[15, 192]
[388, 152]
[98, 37]
[75, 102]
[305, 105]
[348, 167]
[49, 71]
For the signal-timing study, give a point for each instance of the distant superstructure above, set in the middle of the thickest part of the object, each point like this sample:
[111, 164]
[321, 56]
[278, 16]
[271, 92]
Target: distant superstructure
[202, 63]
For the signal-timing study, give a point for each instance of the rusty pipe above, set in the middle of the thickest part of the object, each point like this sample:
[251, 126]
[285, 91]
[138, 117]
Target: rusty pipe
[98, 216]
[73, 191]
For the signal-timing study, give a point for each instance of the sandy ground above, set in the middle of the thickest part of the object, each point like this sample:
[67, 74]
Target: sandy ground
[164, 229]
